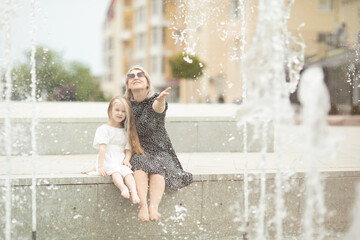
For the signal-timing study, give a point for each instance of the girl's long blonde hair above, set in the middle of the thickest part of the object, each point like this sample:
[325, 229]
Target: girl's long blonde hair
[129, 124]
[150, 91]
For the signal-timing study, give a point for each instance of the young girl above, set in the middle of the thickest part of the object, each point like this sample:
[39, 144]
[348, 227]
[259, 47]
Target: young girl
[116, 140]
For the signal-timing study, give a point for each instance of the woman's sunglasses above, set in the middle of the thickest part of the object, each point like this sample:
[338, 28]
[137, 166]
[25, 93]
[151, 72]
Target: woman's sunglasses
[132, 75]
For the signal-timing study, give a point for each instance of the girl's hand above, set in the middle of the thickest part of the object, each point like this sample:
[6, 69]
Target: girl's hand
[163, 94]
[102, 171]
[126, 163]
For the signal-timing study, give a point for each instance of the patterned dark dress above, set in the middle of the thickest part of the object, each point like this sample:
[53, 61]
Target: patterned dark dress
[160, 157]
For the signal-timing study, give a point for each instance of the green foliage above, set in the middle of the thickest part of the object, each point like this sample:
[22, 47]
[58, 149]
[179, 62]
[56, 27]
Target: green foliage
[86, 88]
[183, 69]
[53, 75]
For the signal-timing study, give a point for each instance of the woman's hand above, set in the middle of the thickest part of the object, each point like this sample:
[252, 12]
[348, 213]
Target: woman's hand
[102, 171]
[126, 163]
[159, 104]
[163, 94]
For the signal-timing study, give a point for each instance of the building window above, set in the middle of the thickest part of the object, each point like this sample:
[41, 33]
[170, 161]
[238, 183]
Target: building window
[154, 65]
[140, 41]
[110, 44]
[325, 5]
[137, 14]
[110, 62]
[156, 36]
[140, 15]
[163, 61]
[234, 9]
[156, 7]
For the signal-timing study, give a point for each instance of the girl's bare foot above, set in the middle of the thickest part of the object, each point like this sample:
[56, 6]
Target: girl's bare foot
[134, 197]
[125, 193]
[154, 215]
[87, 171]
[144, 213]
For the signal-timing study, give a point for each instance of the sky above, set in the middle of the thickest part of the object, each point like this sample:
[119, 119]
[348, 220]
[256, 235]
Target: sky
[70, 27]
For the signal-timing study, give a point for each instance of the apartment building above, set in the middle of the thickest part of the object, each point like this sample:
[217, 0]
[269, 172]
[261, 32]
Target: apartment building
[215, 30]
[136, 32]
[148, 32]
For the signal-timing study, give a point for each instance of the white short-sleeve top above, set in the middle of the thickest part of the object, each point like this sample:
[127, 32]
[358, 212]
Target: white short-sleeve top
[114, 138]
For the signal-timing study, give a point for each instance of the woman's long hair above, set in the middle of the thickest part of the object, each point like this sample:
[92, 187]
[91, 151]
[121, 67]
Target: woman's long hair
[150, 91]
[129, 124]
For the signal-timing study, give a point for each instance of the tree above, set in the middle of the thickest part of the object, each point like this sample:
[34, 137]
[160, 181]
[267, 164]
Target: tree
[55, 77]
[50, 74]
[85, 86]
[187, 67]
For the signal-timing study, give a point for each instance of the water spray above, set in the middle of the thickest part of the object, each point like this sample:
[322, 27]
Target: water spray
[34, 116]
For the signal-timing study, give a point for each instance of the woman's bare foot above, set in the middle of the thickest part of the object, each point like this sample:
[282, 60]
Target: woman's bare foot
[125, 193]
[134, 197]
[144, 213]
[154, 215]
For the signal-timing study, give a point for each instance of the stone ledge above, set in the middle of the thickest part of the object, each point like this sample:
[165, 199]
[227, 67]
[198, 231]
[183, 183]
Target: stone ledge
[72, 208]
[46, 180]
[94, 112]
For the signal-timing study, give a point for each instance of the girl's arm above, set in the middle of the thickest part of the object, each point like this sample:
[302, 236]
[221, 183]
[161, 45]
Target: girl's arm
[126, 161]
[159, 103]
[101, 157]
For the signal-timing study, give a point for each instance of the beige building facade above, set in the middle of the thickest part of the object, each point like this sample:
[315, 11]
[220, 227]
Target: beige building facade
[148, 32]
[323, 20]
[136, 32]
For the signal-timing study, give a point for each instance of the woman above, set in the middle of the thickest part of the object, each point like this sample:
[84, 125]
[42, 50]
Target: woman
[159, 165]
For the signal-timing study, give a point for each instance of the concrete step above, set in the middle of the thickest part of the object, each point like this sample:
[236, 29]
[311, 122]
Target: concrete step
[69, 127]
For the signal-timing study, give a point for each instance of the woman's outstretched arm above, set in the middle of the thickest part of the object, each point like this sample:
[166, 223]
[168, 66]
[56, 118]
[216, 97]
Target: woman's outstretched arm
[159, 103]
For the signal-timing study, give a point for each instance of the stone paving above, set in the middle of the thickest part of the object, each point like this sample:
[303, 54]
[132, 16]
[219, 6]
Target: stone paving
[347, 159]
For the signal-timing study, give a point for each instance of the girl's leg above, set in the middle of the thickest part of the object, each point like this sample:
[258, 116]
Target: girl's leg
[141, 179]
[119, 182]
[130, 183]
[157, 187]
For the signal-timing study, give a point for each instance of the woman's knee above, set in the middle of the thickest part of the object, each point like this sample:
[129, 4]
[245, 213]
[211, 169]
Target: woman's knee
[140, 173]
[156, 177]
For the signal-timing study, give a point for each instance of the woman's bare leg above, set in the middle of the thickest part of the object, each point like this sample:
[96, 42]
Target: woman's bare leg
[157, 187]
[130, 183]
[119, 182]
[141, 179]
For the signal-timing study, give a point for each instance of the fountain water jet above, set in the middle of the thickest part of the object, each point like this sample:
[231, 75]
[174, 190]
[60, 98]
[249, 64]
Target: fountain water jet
[354, 231]
[9, 10]
[7, 88]
[34, 116]
[267, 92]
[319, 144]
